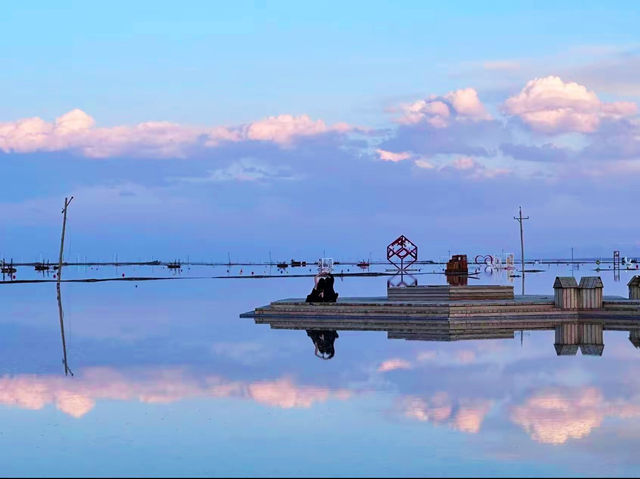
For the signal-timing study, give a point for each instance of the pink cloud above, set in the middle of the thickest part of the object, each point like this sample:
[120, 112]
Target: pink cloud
[391, 156]
[393, 364]
[79, 396]
[436, 409]
[550, 105]
[439, 112]
[465, 415]
[470, 416]
[284, 394]
[467, 104]
[284, 128]
[76, 131]
[554, 416]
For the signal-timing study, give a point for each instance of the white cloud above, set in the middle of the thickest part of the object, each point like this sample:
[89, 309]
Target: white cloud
[550, 105]
[467, 104]
[284, 128]
[76, 131]
[439, 112]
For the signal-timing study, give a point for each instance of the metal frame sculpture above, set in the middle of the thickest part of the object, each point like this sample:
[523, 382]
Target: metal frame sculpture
[402, 248]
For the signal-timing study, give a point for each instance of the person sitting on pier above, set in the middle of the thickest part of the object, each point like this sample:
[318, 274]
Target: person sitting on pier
[317, 293]
[329, 294]
[323, 291]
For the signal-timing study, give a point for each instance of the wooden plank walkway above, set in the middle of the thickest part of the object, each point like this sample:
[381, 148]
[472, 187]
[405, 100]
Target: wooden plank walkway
[458, 318]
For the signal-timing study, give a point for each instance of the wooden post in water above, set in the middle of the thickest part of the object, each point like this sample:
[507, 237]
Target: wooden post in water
[67, 202]
[519, 219]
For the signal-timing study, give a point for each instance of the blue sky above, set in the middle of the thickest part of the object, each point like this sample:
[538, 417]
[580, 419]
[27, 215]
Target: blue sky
[201, 128]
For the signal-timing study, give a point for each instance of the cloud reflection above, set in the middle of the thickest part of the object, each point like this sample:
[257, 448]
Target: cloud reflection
[554, 416]
[464, 415]
[77, 397]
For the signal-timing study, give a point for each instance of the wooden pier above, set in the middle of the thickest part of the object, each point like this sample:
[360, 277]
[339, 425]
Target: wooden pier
[452, 319]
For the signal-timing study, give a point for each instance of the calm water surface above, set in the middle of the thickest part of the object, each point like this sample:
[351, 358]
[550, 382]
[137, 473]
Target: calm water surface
[168, 380]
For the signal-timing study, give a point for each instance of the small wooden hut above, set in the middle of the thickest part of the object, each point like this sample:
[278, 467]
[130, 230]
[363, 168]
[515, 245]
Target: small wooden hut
[565, 291]
[590, 292]
[634, 287]
[457, 264]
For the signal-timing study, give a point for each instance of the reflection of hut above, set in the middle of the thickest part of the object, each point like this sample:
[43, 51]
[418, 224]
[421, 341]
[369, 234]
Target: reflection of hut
[565, 291]
[634, 337]
[590, 292]
[457, 279]
[591, 343]
[634, 287]
[567, 339]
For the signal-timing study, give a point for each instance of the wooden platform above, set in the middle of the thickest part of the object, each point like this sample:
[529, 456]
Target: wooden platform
[449, 293]
[439, 317]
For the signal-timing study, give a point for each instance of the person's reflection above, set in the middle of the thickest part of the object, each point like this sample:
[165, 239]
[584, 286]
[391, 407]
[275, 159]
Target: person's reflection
[323, 340]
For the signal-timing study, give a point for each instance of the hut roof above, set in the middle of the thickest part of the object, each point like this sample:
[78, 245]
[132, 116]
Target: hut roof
[592, 349]
[566, 349]
[565, 282]
[635, 281]
[589, 282]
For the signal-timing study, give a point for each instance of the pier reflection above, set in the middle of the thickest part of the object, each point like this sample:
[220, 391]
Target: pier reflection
[585, 335]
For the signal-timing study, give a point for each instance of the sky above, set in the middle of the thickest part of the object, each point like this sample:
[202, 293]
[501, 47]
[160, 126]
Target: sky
[205, 129]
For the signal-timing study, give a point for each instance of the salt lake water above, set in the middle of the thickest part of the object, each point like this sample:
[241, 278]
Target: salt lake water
[168, 380]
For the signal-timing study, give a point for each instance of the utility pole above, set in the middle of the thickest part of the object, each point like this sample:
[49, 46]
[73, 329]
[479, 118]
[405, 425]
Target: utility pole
[519, 219]
[67, 370]
[67, 202]
[572, 261]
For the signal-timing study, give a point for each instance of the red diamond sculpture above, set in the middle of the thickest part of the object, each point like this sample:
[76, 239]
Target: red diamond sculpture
[400, 249]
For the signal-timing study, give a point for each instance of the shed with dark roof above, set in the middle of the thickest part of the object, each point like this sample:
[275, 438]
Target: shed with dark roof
[565, 292]
[590, 292]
